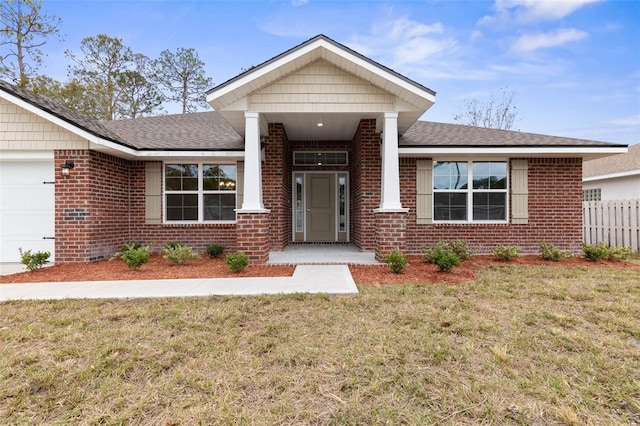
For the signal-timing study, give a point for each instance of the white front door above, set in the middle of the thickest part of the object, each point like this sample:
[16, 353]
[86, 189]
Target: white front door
[27, 202]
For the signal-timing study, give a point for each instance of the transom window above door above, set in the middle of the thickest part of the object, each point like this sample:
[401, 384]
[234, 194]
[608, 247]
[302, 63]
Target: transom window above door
[320, 158]
[200, 192]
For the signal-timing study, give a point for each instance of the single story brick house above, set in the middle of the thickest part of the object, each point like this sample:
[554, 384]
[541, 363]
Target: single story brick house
[318, 145]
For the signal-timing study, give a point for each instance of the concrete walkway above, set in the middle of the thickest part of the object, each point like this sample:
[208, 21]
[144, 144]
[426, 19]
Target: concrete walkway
[328, 279]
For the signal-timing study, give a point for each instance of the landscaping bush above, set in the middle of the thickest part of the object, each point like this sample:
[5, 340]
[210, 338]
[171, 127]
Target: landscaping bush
[396, 261]
[620, 253]
[458, 248]
[214, 250]
[237, 262]
[550, 252]
[602, 251]
[444, 260]
[596, 252]
[178, 253]
[133, 254]
[506, 253]
[33, 261]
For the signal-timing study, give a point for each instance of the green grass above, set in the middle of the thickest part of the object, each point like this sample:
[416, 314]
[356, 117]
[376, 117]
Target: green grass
[520, 345]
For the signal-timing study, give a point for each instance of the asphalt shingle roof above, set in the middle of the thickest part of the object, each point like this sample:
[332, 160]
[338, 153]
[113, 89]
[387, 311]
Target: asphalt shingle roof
[209, 131]
[427, 133]
[613, 164]
[179, 132]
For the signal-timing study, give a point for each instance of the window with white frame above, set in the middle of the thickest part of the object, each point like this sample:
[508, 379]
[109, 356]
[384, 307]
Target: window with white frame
[200, 192]
[470, 191]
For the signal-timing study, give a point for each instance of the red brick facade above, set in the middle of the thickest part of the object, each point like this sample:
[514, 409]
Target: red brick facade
[555, 212]
[102, 205]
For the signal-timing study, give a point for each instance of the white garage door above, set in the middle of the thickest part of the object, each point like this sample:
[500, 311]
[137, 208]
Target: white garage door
[26, 207]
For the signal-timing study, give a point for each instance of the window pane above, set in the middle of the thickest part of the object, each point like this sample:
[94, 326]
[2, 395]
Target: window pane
[299, 209]
[218, 177]
[181, 177]
[450, 206]
[489, 206]
[182, 206]
[219, 207]
[450, 175]
[489, 175]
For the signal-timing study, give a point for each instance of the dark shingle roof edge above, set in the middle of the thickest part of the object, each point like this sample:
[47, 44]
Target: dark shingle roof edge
[328, 40]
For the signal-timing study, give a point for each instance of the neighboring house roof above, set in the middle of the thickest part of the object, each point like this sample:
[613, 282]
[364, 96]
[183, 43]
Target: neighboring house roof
[180, 132]
[94, 127]
[613, 166]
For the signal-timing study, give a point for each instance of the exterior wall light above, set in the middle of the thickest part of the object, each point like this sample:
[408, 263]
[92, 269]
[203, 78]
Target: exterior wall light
[66, 168]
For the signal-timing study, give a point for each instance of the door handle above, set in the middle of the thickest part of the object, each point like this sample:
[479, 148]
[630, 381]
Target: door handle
[309, 210]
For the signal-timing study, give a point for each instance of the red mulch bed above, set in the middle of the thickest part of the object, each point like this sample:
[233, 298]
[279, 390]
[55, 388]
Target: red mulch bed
[417, 271]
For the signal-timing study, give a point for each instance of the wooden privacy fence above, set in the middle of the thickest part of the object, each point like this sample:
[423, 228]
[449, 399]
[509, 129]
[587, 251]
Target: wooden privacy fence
[615, 222]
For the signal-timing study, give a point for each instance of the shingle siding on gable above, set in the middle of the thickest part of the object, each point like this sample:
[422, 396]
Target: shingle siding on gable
[24, 130]
[321, 87]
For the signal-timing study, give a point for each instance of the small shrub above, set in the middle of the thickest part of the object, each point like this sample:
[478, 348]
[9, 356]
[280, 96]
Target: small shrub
[444, 260]
[33, 261]
[602, 251]
[457, 247]
[428, 252]
[460, 249]
[133, 254]
[396, 261]
[178, 253]
[550, 252]
[214, 250]
[237, 262]
[506, 253]
[596, 252]
[620, 253]
[173, 245]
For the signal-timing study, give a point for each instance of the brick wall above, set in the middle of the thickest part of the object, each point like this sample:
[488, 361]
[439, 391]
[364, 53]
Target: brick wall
[555, 212]
[253, 236]
[276, 186]
[365, 181]
[93, 218]
[91, 213]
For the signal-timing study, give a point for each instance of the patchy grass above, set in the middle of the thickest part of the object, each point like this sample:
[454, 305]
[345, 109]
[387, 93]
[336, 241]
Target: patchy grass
[520, 345]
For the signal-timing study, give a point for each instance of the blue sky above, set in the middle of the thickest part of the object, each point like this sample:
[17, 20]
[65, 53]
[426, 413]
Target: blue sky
[574, 64]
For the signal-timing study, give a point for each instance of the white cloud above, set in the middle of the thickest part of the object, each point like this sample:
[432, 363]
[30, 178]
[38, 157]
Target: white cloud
[633, 120]
[527, 11]
[404, 42]
[475, 35]
[297, 3]
[531, 42]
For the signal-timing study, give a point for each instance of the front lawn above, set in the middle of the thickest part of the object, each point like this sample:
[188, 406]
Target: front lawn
[518, 345]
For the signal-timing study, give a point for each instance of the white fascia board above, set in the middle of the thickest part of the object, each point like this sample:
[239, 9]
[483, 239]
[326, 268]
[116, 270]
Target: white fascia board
[161, 155]
[510, 151]
[378, 71]
[627, 173]
[66, 125]
[26, 155]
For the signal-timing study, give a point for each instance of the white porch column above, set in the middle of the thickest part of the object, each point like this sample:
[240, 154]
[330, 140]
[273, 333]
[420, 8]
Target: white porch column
[390, 196]
[252, 164]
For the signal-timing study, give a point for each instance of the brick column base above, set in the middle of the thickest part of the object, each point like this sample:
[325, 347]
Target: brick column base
[253, 236]
[390, 232]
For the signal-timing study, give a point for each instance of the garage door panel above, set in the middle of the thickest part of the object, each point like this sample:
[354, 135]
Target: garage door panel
[26, 208]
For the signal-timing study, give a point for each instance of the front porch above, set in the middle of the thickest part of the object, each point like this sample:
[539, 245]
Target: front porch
[322, 254]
